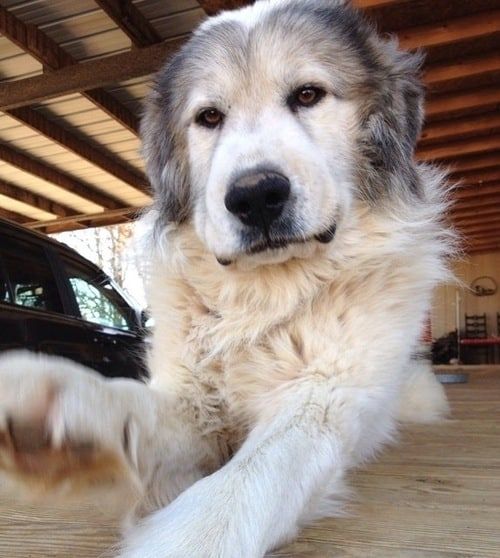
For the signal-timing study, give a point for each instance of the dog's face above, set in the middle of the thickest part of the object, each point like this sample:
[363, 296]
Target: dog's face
[273, 120]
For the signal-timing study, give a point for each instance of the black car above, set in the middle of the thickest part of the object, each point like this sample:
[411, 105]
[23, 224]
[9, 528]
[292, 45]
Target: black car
[52, 300]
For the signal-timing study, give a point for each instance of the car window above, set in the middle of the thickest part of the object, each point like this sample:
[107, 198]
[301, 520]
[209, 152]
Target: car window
[4, 285]
[30, 275]
[97, 300]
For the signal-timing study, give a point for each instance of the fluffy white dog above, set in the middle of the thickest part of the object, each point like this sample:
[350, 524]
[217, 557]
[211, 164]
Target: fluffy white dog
[293, 245]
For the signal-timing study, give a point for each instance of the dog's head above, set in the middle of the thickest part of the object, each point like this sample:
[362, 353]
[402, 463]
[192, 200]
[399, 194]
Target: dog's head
[272, 121]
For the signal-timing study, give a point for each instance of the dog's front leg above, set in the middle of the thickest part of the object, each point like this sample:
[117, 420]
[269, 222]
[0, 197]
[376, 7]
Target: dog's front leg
[255, 502]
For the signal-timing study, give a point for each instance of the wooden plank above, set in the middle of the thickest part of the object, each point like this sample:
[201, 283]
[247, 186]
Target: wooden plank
[462, 213]
[13, 216]
[471, 192]
[475, 162]
[451, 31]
[87, 75]
[51, 174]
[477, 177]
[96, 156]
[434, 494]
[33, 41]
[480, 236]
[477, 202]
[460, 128]
[212, 7]
[131, 21]
[35, 200]
[483, 225]
[485, 249]
[471, 67]
[478, 221]
[458, 148]
[124, 212]
[485, 245]
[449, 104]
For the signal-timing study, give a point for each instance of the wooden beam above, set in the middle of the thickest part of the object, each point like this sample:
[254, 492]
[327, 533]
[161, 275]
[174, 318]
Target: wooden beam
[124, 212]
[462, 214]
[50, 174]
[485, 226]
[458, 148]
[475, 162]
[212, 7]
[484, 250]
[87, 75]
[35, 200]
[470, 192]
[460, 128]
[472, 67]
[486, 241]
[477, 202]
[94, 155]
[477, 178]
[450, 31]
[131, 21]
[13, 216]
[33, 41]
[448, 104]
[477, 220]
[484, 234]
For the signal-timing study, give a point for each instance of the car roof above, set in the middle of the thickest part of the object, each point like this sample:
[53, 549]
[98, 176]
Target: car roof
[40, 237]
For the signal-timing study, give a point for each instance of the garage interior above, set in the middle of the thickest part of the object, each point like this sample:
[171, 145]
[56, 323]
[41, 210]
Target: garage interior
[73, 76]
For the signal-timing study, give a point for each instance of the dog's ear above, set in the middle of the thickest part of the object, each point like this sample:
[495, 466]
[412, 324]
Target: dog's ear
[165, 165]
[393, 122]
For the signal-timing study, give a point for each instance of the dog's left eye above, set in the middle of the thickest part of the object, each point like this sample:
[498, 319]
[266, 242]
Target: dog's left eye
[305, 96]
[210, 118]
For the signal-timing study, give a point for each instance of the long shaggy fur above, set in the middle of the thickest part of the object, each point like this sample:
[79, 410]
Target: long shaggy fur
[275, 373]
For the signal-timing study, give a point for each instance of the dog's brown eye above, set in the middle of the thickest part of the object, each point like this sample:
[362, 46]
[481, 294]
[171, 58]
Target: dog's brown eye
[210, 118]
[306, 96]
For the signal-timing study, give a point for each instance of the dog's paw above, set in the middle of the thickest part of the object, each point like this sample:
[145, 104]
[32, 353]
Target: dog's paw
[59, 423]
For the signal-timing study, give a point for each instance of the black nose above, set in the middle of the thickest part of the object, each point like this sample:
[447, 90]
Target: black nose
[258, 199]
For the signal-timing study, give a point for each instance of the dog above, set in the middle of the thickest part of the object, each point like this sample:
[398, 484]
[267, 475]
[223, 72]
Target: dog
[291, 251]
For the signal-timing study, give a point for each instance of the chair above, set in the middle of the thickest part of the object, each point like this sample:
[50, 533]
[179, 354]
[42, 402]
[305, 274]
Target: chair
[475, 326]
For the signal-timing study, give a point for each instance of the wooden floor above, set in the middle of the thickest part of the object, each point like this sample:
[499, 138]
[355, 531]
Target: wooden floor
[435, 495]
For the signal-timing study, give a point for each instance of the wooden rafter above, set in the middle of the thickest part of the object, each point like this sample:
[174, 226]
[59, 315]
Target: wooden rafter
[474, 192]
[87, 75]
[472, 67]
[464, 213]
[439, 106]
[33, 41]
[13, 216]
[475, 162]
[34, 200]
[131, 21]
[459, 128]
[474, 227]
[86, 218]
[94, 155]
[459, 148]
[478, 178]
[475, 219]
[50, 174]
[454, 30]
[477, 202]
[212, 7]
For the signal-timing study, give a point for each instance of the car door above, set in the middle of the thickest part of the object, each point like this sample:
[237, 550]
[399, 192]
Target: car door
[114, 323]
[32, 309]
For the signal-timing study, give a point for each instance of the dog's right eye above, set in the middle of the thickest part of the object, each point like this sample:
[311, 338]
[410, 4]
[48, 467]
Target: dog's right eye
[210, 118]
